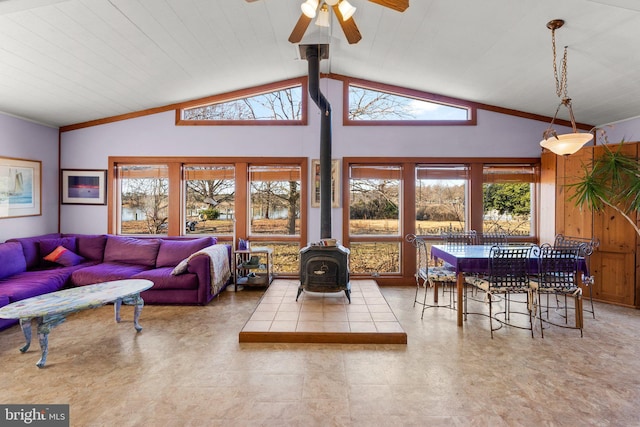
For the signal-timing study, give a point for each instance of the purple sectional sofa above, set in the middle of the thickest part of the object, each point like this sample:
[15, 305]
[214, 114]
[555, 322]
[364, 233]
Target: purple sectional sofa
[37, 265]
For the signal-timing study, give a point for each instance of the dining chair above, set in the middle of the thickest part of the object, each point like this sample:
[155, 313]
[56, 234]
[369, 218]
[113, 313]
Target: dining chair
[585, 247]
[460, 238]
[454, 238]
[493, 238]
[508, 275]
[429, 276]
[557, 273]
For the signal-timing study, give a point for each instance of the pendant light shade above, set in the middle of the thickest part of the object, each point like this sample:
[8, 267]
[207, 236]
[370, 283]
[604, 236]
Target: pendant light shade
[566, 144]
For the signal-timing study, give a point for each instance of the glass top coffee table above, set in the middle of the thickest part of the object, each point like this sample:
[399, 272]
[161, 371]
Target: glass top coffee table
[50, 310]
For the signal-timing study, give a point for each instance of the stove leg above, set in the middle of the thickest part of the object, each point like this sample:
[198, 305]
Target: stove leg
[348, 294]
[299, 292]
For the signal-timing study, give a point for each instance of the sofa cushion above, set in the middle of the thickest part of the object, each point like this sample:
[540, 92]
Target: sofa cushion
[33, 283]
[171, 252]
[162, 279]
[31, 248]
[49, 245]
[64, 256]
[12, 259]
[105, 272]
[130, 250]
[91, 246]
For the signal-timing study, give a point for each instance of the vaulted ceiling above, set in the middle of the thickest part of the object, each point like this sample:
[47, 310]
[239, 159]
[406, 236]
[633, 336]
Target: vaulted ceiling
[64, 62]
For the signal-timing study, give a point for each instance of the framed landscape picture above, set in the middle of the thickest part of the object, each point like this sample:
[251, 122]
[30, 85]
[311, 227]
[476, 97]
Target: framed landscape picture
[20, 183]
[335, 183]
[83, 187]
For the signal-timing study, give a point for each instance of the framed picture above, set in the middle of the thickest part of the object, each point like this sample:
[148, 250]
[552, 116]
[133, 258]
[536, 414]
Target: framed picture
[335, 183]
[20, 183]
[84, 187]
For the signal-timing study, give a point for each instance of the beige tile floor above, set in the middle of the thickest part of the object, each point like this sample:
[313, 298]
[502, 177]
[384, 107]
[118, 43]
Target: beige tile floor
[187, 368]
[325, 316]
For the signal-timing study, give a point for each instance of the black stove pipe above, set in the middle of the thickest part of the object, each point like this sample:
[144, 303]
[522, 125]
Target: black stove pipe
[313, 58]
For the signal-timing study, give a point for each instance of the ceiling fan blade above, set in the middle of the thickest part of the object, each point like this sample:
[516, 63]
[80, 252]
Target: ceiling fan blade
[349, 27]
[300, 28]
[399, 5]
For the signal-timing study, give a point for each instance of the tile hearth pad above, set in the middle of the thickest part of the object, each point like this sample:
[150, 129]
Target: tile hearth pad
[323, 317]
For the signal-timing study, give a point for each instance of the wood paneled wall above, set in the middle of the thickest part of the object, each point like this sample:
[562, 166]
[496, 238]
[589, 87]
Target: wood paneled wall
[614, 263]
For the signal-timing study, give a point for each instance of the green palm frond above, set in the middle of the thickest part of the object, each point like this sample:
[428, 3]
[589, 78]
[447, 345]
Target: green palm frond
[589, 191]
[612, 179]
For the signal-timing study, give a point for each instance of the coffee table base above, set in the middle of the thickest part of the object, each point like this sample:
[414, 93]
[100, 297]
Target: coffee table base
[47, 323]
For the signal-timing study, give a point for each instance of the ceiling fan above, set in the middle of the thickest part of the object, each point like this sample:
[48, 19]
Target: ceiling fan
[343, 11]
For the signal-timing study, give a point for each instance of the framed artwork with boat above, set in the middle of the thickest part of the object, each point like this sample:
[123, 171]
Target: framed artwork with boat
[20, 184]
[83, 187]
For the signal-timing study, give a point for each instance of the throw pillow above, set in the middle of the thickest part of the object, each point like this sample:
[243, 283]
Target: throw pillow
[181, 268]
[64, 257]
[49, 245]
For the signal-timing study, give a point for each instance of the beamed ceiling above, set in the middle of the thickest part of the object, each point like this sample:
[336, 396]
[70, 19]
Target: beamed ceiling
[64, 62]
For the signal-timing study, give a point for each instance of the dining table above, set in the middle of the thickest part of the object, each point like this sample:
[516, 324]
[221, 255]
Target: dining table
[474, 259]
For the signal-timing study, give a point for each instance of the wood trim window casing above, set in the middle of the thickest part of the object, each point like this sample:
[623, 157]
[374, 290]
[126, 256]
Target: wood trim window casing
[345, 79]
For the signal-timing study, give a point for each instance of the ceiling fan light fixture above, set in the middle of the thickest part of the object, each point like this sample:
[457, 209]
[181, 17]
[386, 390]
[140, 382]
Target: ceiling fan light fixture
[346, 9]
[332, 2]
[323, 17]
[309, 8]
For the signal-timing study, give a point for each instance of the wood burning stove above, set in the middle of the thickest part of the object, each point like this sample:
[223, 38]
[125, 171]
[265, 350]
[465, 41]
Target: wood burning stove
[324, 269]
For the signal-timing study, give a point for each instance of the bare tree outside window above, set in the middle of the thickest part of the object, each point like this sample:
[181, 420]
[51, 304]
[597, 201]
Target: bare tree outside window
[210, 199]
[145, 199]
[275, 199]
[368, 104]
[284, 104]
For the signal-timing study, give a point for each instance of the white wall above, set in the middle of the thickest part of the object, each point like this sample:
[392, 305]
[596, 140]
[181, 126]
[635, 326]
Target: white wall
[496, 135]
[628, 130]
[26, 140]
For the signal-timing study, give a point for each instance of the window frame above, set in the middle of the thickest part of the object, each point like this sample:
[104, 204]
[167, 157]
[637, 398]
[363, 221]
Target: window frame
[177, 194]
[407, 214]
[248, 93]
[409, 93]
[460, 171]
[533, 179]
